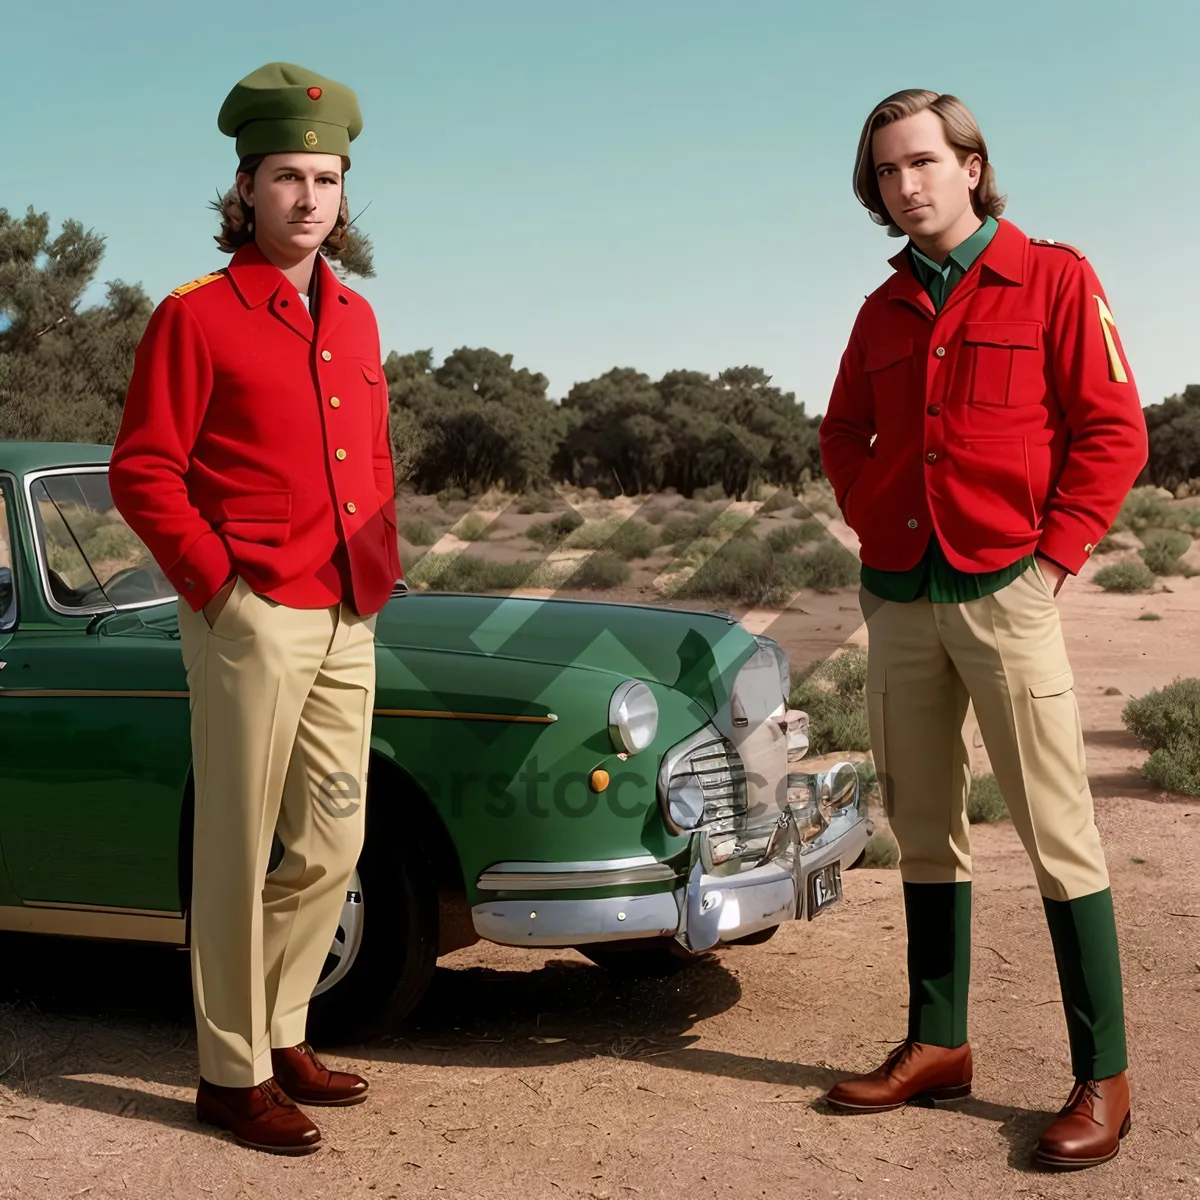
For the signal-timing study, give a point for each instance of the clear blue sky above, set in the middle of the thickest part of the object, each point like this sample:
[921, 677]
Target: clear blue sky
[646, 183]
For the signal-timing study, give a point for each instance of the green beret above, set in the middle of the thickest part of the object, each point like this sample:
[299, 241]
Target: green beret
[281, 108]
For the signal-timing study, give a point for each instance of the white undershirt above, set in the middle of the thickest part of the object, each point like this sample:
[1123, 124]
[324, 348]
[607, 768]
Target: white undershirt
[304, 297]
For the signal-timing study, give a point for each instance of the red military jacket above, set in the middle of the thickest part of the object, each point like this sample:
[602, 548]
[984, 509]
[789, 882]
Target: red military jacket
[253, 443]
[1007, 422]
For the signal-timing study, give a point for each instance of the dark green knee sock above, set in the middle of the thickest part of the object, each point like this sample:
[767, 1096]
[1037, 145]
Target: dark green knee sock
[1084, 934]
[938, 916]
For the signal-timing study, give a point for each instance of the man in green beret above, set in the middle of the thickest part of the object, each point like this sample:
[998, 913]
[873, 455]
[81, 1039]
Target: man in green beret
[253, 459]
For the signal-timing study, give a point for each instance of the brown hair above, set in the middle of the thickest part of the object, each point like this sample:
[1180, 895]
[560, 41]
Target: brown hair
[962, 132]
[237, 216]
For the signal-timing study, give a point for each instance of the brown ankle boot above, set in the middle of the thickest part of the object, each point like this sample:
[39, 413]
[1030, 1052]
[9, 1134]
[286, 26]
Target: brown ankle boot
[309, 1081]
[913, 1071]
[1089, 1128]
[260, 1117]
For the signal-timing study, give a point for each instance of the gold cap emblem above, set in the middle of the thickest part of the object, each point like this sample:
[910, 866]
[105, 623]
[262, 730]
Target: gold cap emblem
[310, 138]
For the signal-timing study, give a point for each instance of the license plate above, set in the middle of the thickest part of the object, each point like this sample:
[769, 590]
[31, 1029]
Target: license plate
[824, 889]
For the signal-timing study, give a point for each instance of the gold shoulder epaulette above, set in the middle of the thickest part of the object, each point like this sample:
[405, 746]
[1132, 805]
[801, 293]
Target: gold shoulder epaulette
[184, 288]
[1061, 245]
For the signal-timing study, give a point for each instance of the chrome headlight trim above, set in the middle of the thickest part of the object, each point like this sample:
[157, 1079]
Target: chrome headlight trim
[779, 654]
[714, 814]
[632, 717]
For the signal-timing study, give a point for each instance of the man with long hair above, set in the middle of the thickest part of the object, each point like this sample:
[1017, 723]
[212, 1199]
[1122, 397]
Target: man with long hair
[253, 459]
[983, 431]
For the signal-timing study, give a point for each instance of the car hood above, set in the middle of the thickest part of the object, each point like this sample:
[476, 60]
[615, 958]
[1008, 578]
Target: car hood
[677, 647]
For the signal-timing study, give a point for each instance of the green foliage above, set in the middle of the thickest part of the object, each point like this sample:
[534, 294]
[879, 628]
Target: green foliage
[868, 777]
[1125, 577]
[419, 533]
[745, 570]
[710, 494]
[1161, 550]
[467, 573]
[538, 502]
[633, 540]
[787, 537]
[817, 497]
[1149, 617]
[472, 528]
[882, 851]
[780, 500]
[598, 571]
[1167, 721]
[833, 693]
[450, 495]
[1174, 429]
[551, 533]
[828, 567]
[653, 513]
[985, 801]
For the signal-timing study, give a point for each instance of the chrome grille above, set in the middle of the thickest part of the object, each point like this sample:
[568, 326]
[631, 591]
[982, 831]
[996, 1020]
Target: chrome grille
[719, 771]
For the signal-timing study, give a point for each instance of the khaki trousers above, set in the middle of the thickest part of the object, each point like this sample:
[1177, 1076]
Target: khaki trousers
[281, 702]
[1005, 653]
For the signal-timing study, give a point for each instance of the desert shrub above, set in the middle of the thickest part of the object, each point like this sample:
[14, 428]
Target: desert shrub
[1125, 577]
[467, 573]
[598, 571]
[787, 537]
[828, 567]
[449, 495]
[537, 502]
[633, 540]
[1142, 507]
[419, 533]
[111, 540]
[1167, 721]
[1149, 617]
[472, 528]
[778, 501]
[833, 693]
[681, 530]
[653, 513]
[985, 801]
[868, 778]
[817, 498]
[714, 491]
[743, 569]
[882, 850]
[550, 533]
[1161, 551]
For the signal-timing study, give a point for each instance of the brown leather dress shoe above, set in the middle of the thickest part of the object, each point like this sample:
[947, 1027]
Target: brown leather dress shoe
[260, 1117]
[308, 1081]
[1089, 1128]
[913, 1072]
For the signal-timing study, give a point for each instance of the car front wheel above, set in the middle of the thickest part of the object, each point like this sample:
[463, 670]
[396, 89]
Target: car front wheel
[384, 952]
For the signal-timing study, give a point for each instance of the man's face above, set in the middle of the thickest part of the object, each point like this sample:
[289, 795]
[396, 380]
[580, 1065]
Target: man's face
[926, 189]
[296, 199]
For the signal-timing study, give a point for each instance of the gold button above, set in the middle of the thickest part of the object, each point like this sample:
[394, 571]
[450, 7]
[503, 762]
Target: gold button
[340, 454]
[932, 456]
[940, 352]
[350, 506]
[334, 402]
[326, 355]
[912, 522]
[1089, 547]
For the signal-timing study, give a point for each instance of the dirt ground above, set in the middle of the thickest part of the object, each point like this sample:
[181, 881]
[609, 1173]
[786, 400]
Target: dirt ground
[533, 1074]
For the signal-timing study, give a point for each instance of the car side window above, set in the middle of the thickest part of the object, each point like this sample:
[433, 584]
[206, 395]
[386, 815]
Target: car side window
[8, 587]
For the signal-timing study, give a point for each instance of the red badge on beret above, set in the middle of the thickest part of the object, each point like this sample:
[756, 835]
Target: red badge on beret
[314, 93]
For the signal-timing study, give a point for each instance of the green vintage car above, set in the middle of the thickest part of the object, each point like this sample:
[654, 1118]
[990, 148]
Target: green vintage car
[611, 777]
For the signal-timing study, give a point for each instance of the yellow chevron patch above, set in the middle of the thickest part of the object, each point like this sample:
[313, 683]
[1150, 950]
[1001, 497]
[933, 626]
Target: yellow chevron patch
[184, 288]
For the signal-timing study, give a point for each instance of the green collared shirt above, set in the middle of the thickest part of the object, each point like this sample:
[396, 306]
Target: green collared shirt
[934, 575]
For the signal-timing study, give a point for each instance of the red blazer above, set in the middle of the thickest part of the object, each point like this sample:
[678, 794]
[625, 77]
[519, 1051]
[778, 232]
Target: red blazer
[252, 443]
[1007, 422]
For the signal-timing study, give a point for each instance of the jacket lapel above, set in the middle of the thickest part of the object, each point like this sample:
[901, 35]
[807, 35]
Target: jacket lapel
[905, 287]
[332, 301]
[258, 281]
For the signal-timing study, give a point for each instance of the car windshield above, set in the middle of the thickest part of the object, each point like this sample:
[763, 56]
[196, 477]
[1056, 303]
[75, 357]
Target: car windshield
[92, 556]
[8, 597]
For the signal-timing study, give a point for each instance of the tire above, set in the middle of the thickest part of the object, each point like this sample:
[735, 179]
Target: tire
[393, 962]
[642, 962]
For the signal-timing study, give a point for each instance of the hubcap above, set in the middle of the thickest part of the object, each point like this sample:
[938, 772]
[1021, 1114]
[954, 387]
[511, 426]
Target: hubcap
[346, 940]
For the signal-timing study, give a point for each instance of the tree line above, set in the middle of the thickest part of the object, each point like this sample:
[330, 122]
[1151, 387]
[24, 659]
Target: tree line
[474, 420]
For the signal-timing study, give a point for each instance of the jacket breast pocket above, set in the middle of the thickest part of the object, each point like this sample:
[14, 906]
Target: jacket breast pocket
[263, 517]
[1006, 362]
[888, 368]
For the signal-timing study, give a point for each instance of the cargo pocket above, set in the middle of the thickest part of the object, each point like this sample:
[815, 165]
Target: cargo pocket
[1058, 724]
[1006, 362]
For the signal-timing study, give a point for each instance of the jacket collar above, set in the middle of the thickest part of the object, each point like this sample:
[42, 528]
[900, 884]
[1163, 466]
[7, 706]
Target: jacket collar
[257, 280]
[1004, 256]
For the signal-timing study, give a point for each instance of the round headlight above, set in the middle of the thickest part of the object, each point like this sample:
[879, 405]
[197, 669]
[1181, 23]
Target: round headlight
[632, 717]
[685, 801]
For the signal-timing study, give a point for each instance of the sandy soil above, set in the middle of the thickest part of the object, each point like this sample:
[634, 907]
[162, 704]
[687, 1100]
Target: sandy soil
[532, 1074]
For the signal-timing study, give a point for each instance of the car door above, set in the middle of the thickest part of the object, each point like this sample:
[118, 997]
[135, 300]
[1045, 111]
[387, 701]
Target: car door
[8, 587]
[94, 725]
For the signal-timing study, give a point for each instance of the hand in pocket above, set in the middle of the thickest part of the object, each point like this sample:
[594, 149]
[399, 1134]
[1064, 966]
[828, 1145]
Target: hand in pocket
[212, 610]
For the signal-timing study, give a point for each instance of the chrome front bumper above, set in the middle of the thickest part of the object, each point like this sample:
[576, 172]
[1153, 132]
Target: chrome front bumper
[708, 909]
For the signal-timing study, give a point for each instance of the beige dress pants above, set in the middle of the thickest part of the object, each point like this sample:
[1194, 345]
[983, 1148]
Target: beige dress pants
[281, 703]
[1005, 653]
